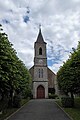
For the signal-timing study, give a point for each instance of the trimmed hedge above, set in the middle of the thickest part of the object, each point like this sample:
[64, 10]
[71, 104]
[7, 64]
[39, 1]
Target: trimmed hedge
[67, 101]
[52, 96]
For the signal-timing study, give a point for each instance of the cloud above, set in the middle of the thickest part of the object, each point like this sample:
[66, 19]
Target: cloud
[60, 22]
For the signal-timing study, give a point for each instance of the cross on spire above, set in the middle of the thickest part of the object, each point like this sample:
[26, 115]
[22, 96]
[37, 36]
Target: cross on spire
[39, 27]
[40, 37]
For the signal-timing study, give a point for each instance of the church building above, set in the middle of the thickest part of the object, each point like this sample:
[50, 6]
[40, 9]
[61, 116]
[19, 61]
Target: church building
[43, 79]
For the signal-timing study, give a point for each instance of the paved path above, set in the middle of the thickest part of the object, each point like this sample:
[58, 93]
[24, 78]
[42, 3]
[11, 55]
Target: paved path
[40, 110]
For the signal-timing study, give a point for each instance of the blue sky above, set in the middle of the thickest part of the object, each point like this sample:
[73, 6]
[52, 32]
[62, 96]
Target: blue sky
[60, 20]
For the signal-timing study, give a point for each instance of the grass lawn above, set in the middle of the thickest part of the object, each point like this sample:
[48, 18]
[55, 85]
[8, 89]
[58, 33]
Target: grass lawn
[73, 112]
[7, 112]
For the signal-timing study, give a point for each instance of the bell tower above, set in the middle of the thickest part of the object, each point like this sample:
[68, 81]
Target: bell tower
[40, 81]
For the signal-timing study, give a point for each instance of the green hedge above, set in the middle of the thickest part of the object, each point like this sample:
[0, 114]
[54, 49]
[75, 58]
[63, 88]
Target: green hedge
[52, 96]
[67, 101]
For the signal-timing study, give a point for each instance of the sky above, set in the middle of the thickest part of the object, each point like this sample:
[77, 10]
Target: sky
[60, 25]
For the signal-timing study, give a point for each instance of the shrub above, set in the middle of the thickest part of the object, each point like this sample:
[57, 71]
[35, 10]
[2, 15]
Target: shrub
[17, 101]
[52, 96]
[67, 101]
[27, 94]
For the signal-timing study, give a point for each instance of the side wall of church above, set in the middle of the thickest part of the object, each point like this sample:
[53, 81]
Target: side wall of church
[51, 78]
[31, 70]
[56, 85]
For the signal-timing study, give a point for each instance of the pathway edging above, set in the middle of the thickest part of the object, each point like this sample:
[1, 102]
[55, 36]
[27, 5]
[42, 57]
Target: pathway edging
[63, 110]
[16, 111]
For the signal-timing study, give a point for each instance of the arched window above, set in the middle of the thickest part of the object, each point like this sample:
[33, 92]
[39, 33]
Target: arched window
[39, 73]
[40, 51]
[42, 73]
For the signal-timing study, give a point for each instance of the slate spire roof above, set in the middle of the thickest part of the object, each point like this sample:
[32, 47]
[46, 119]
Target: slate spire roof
[40, 37]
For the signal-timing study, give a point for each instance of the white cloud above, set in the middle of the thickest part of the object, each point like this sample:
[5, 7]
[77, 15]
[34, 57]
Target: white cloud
[60, 27]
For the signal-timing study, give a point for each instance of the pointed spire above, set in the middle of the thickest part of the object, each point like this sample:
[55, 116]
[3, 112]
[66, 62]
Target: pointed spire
[39, 26]
[40, 37]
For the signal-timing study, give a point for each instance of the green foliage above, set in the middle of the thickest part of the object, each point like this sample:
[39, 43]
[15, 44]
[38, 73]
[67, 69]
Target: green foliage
[51, 90]
[52, 96]
[14, 76]
[3, 104]
[73, 112]
[67, 101]
[68, 75]
[17, 101]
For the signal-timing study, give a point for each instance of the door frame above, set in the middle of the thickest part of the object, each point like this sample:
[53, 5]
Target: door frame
[42, 89]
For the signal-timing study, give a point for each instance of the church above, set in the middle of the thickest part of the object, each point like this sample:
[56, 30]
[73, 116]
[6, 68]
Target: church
[43, 79]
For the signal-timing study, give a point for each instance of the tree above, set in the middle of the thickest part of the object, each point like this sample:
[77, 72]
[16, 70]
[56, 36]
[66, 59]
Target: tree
[14, 75]
[68, 75]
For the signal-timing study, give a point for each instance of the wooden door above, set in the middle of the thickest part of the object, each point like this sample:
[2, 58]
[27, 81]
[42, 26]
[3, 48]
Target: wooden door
[40, 92]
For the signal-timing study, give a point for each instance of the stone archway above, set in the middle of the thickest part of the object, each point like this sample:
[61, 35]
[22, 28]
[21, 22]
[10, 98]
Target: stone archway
[40, 92]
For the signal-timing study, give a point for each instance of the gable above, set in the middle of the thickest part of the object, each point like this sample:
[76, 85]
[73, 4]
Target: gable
[51, 76]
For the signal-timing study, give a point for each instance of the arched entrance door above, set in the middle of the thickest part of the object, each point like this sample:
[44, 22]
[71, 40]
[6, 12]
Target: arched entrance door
[40, 92]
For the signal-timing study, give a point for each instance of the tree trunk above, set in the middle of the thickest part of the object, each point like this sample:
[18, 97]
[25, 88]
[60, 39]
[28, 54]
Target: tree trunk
[72, 96]
[2, 94]
[11, 99]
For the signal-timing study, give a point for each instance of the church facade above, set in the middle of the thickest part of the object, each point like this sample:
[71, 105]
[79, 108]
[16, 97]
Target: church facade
[43, 79]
